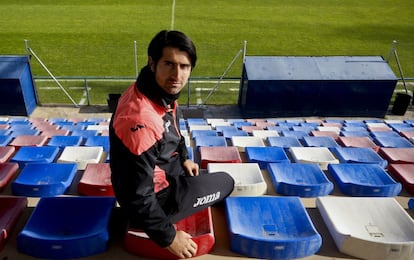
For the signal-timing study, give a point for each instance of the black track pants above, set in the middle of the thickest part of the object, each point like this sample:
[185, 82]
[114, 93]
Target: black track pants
[194, 193]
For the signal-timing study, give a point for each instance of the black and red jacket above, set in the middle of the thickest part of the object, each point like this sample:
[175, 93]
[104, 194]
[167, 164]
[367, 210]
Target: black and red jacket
[146, 156]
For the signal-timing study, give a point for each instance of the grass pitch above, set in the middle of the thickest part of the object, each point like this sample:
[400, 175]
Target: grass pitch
[96, 38]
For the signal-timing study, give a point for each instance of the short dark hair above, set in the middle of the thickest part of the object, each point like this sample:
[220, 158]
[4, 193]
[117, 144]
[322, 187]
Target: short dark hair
[174, 39]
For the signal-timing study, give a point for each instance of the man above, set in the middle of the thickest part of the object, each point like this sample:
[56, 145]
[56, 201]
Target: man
[153, 179]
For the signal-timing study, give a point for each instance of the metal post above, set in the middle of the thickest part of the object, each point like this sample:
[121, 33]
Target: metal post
[136, 59]
[244, 51]
[393, 44]
[400, 70]
[87, 91]
[172, 14]
[222, 76]
[188, 93]
[50, 73]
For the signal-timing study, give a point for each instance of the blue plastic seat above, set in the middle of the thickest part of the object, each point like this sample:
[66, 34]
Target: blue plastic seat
[196, 121]
[5, 139]
[359, 155]
[195, 133]
[84, 133]
[35, 154]
[364, 180]
[265, 155]
[320, 141]
[65, 140]
[299, 179]
[210, 141]
[229, 133]
[5, 132]
[24, 131]
[67, 227]
[298, 134]
[284, 141]
[44, 179]
[280, 227]
[99, 140]
[395, 142]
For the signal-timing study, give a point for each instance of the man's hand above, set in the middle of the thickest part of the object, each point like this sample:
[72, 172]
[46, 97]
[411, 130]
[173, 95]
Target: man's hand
[183, 246]
[191, 168]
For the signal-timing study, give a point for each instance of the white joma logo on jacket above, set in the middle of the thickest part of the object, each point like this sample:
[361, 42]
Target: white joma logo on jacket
[207, 199]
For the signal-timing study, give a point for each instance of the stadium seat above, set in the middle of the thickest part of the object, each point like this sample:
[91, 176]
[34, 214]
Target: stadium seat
[198, 225]
[397, 155]
[299, 179]
[298, 134]
[219, 154]
[264, 134]
[67, 227]
[99, 128]
[82, 155]
[24, 131]
[6, 153]
[96, 180]
[357, 141]
[196, 121]
[320, 155]
[279, 228]
[49, 133]
[405, 174]
[229, 133]
[407, 134]
[28, 140]
[11, 208]
[368, 228]
[196, 133]
[358, 155]
[284, 141]
[241, 142]
[248, 177]
[62, 141]
[320, 141]
[363, 180]
[84, 133]
[209, 141]
[35, 154]
[332, 134]
[44, 179]
[7, 173]
[99, 140]
[265, 155]
[395, 142]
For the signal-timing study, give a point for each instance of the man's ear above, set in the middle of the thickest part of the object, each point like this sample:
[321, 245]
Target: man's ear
[151, 63]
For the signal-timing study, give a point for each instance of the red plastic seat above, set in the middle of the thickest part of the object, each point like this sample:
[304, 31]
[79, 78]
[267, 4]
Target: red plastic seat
[7, 172]
[405, 174]
[29, 140]
[198, 225]
[6, 152]
[397, 155]
[219, 154]
[10, 210]
[96, 180]
[357, 141]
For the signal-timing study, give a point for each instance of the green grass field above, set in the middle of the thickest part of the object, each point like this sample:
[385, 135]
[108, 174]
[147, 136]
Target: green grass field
[96, 38]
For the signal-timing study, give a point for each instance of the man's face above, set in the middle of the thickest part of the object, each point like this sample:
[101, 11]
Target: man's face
[172, 70]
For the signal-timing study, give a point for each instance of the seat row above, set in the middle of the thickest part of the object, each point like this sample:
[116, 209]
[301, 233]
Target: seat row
[277, 227]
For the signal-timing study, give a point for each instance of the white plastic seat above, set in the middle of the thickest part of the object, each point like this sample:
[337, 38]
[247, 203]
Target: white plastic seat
[82, 155]
[248, 177]
[369, 228]
[319, 155]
